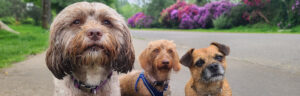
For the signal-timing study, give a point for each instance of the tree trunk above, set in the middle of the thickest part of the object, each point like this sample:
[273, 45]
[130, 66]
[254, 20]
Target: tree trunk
[263, 16]
[46, 13]
[5, 27]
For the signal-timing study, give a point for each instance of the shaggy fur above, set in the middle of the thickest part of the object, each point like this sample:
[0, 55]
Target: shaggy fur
[207, 67]
[89, 41]
[152, 61]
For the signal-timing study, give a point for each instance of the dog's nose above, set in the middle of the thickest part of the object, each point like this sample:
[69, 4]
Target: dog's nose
[94, 34]
[213, 67]
[165, 62]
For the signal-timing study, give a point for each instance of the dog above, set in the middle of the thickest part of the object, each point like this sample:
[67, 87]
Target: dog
[207, 67]
[90, 44]
[157, 60]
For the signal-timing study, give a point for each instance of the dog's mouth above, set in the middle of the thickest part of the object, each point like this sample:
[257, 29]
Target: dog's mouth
[212, 76]
[95, 47]
[165, 67]
[216, 75]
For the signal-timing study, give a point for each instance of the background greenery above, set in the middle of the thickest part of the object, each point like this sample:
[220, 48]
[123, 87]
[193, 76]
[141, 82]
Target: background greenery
[24, 16]
[31, 40]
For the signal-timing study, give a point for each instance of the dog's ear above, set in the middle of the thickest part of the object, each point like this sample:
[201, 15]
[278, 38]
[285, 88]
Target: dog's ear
[222, 48]
[176, 66]
[144, 59]
[187, 58]
[55, 62]
[125, 59]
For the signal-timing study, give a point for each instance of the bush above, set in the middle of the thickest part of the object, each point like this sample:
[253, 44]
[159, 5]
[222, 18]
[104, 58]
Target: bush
[236, 17]
[190, 16]
[8, 20]
[27, 21]
[140, 20]
[222, 22]
[35, 13]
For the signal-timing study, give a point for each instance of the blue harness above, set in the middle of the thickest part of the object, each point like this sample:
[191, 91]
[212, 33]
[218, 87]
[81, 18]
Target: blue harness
[153, 91]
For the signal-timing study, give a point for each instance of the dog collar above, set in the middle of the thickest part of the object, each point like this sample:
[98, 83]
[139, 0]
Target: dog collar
[90, 88]
[153, 91]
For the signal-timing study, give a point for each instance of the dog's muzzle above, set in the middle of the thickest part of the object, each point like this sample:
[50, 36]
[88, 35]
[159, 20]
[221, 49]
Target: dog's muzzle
[213, 72]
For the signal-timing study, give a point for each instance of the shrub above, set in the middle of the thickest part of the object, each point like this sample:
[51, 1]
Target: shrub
[222, 22]
[140, 20]
[190, 16]
[27, 21]
[8, 20]
[290, 16]
[238, 16]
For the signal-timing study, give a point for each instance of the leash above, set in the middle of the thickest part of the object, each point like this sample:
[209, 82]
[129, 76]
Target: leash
[93, 89]
[153, 91]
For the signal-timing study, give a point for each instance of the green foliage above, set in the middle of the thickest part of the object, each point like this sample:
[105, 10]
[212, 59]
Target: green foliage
[36, 2]
[233, 18]
[296, 29]
[15, 8]
[255, 28]
[16, 12]
[276, 11]
[156, 6]
[202, 2]
[58, 5]
[222, 22]
[27, 21]
[128, 10]
[8, 20]
[5, 8]
[13, 48]
[35, 13]
[236, 15]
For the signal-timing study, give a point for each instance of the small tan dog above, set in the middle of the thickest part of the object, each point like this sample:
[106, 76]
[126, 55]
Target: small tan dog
[157, 60]
[207, 67]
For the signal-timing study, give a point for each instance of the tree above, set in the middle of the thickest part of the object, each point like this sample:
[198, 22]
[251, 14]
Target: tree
[59, 5]
[156, 6]
[46, 16]
[257, 6]
[5, 8]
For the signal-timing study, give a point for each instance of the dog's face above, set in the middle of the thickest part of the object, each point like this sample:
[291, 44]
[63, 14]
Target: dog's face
[160, 57]
[89, 34]
[207, 64]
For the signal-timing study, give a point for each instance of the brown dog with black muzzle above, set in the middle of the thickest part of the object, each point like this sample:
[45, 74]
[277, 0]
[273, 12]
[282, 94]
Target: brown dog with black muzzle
[207, 67]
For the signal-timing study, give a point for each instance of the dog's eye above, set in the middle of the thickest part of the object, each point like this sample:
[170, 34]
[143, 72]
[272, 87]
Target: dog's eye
[219, 57]
[156, 50]
[106, 22]
[170, 51]
[200, 62]
[77, 21]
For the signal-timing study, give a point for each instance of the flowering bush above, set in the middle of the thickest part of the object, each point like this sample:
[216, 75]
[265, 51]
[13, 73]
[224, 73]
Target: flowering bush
[256, 3]
[236, 17]
[296, 7]
[140, 20]
[189, 16]
[292, 18]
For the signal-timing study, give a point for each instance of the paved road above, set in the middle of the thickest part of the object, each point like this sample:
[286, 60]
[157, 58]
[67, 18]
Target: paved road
[259, 65]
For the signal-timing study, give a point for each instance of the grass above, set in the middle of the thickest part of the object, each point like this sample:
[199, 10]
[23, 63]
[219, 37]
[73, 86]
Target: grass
[14, 48]
[256, 28]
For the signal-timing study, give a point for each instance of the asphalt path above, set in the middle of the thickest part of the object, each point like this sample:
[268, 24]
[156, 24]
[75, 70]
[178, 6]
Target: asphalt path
[258, 65]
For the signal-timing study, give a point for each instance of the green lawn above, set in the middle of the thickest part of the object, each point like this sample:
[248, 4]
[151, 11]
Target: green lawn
[259, 28]
[14, 48]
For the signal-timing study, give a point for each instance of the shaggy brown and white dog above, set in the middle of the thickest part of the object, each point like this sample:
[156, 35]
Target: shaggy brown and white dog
[157, 60]
[89, 44]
